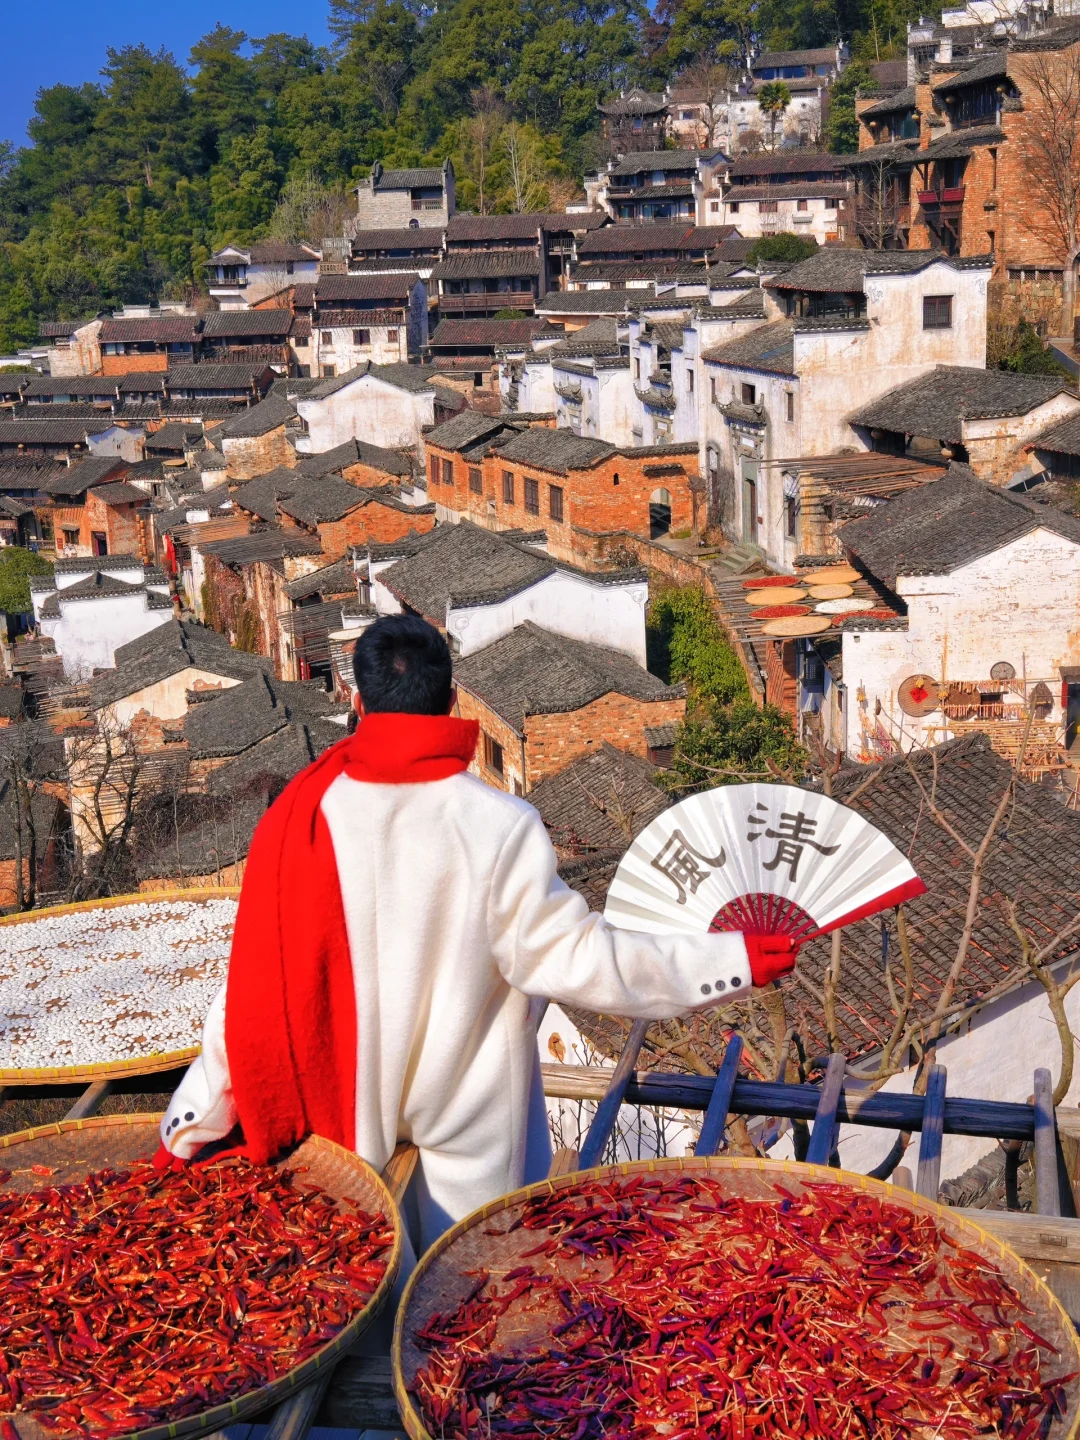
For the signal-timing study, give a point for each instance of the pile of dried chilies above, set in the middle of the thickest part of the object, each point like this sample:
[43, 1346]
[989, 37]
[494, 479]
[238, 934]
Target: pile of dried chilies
[134, 1297]
[671, 1309]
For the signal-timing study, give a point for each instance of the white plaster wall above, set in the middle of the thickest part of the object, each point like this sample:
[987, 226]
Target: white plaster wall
[616, 406]
[567, 604]
[819, 220]
[130, 574]
[127, 443]
[894, 306]
[90, 631]
[987, 436]
[366, 409]
[992, 1057]
[264, 280]
[961, 624]
[345, 355]
[167, 700]
[536, 391]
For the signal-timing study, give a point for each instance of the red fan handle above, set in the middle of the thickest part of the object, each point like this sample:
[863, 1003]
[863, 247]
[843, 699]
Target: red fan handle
[763, 914]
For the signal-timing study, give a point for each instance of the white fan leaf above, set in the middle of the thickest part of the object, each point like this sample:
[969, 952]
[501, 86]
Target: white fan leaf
[788, 859]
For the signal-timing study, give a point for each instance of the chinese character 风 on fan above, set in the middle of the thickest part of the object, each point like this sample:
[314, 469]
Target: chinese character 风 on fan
[763, 859]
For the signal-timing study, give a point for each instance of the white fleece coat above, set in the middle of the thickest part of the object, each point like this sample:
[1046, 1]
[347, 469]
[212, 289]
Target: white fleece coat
[455, 916]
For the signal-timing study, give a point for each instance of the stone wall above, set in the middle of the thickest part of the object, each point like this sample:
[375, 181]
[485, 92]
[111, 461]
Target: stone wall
[249, 455]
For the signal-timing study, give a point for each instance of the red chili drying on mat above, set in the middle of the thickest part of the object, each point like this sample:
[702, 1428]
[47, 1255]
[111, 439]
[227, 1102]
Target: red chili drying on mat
[135, 1298]
[766, 582]
[672, 1309]
[779, 612]
[864, 615]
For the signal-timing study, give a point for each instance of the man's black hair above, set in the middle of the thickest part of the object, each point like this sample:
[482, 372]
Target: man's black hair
[402, 664]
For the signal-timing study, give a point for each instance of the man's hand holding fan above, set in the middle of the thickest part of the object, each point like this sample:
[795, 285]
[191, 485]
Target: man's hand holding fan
[780, 864]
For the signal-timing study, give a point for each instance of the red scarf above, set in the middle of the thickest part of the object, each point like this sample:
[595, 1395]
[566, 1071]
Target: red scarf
[290, 1008]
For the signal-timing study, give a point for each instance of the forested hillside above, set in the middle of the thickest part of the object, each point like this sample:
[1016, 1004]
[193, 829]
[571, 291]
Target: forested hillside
[130, 183]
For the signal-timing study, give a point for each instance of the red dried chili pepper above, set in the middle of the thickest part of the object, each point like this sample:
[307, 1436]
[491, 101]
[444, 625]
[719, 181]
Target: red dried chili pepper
[135, 1298]
[671, 1308]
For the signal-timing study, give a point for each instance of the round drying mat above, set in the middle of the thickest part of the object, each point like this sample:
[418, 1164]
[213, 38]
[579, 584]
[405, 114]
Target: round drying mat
[844, 607]
[830, 575]
[32, 1010]
[779, 596]
[74, 1149]
[796, 627]
[829, 592]
[441, 1280]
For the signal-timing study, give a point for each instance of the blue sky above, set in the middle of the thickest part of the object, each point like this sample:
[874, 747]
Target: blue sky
[65, 40]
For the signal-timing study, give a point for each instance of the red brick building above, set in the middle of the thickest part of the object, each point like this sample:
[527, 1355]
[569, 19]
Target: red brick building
[946, 162]
[507, 477]
[543, 701]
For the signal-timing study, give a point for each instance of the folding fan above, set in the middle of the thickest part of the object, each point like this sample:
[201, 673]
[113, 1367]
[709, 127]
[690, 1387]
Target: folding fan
[764, 859]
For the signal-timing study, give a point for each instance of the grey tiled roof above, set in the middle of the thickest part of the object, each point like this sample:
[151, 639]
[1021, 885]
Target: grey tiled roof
[409, 179]
[587, 302]
[935, 528]
[74, 479]
[174, 435]
[424, 237]
[251, 711]
[639, 161]
[959, 143]
[118, 492]
[208, 376]
[486, 264]
[770, 347]
[778, 59]
[259, 496]
[786, 162]
[173, 647]
[1063, 438]
[78, 565]
[938, 403]
[269, 414]
[267, 544]
[336, 579]
[271, 321]
[466, 429]
[355, 452]
[993, 66]
[599, 337]
[558, 450]
[51, 432]
[834, 269]
[895, 100]
[898, 153]
[534, 672]
[600, 801]
[38, 385]
[321, 499]
[335, 288]
[486, 332]
[464, 563]
[98, 586]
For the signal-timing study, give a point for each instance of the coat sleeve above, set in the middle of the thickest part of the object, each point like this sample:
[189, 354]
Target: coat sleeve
[546, 941]
[202, 1109]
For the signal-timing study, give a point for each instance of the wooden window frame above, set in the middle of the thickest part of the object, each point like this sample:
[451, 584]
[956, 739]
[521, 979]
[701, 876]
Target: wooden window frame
[555, 503]
[476, 480]
[933, 307]
[448, 472]
[508, 487]
[532, 496]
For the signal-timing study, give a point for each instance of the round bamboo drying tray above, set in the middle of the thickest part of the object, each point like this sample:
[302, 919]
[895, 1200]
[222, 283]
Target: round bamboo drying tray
[780, 595]
[829, 592]
[76, 1148]
[830, 575]
[844, 607]
[795, 627]
[439, 1281]
[152, 1064]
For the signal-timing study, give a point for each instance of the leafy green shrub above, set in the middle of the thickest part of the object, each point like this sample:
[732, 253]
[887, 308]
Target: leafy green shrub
[16, 567]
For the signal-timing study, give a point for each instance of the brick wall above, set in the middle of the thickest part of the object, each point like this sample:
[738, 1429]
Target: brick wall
[119, 523]
[781, 689]
[554, 741]
[611, 496]
[369, 476]
[134, 364]
[250, 455]
[374, 522]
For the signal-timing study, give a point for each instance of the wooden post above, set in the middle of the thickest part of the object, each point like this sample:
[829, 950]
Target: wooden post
[90, 1101]
[1048, 1200]
[607, 1112]
[933, 1126]
[712, 1127]
[821, 1137]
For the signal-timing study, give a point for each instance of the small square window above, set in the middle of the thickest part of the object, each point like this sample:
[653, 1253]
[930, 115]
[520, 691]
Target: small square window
[391, 337]
[71, 539]
[555, 502]
[937, 312]
[733, 207]
[329, 371]
[508, 487]
[476, 483]
[532, 497]
[493, 755]
[328, 337]
[361, 337]
[749, 394]
[448, 472]
[714, 206]
[802, 204]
